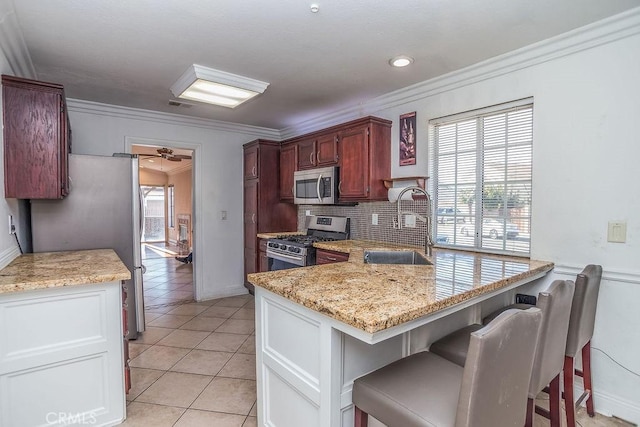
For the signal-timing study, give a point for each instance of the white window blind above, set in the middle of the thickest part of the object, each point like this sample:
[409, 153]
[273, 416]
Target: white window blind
[481, 184]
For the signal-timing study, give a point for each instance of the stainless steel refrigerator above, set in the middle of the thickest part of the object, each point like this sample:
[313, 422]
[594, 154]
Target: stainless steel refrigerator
[102, 210]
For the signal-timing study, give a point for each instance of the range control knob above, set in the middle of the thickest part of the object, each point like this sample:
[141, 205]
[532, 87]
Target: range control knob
[283, 246]
[297, 250]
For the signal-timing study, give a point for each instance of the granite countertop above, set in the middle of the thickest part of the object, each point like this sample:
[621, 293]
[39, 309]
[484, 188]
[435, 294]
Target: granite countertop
[280, 233]
[374, 297]
[56, 269]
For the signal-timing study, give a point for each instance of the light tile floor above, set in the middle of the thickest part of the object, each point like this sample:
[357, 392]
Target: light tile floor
[195, 363]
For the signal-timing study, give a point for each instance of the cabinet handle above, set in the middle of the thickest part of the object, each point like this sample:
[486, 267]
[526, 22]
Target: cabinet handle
[253, 171]
[330, 258]
[292, 192]
[318, 156]
[253, 218]
[340, 187]
[311, 157]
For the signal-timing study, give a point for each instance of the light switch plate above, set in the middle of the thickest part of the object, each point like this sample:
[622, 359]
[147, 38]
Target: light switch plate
[617, 232]
[374, 219]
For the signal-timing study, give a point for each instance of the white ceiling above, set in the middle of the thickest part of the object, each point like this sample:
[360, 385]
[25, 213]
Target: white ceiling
[129, 53]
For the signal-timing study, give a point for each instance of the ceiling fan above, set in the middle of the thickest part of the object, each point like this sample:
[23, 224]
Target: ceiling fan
[167, 153]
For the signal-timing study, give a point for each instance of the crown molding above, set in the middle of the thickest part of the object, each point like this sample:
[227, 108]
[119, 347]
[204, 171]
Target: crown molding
[97, 108]
[12, 42]
[605, 31]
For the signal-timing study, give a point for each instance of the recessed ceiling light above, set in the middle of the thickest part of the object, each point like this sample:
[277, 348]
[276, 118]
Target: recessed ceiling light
[217, 87]
[400, 61]
[315, 8]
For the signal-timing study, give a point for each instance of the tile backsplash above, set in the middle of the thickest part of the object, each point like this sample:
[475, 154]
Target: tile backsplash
[361, 215]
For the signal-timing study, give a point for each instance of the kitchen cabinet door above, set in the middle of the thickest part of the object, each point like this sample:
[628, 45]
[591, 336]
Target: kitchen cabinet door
[327, 150]
[250, 213]
[251, 162]
[37, 139]
[365, 160]
[307, 154]
[288, 159]
[354, 163]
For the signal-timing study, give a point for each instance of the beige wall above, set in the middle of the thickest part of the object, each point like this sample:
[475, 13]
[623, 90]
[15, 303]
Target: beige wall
[182, 191]
[153, 178]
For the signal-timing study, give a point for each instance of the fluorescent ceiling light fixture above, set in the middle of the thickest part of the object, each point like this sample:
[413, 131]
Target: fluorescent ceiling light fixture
[400, 61]
[216, 87]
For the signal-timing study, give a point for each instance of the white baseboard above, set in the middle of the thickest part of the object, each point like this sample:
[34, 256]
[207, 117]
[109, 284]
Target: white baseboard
[229, 291]
[612, 406]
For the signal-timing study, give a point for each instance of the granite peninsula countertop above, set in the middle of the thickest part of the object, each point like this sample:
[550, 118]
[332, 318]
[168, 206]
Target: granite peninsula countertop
[374, 297]
[57, 269]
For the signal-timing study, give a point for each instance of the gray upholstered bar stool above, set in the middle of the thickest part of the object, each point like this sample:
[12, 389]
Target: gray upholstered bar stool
[581, 325]
[427, 390]
[554, 304]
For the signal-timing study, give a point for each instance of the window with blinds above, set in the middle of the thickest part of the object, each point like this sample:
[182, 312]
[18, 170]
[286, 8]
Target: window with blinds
[481, 183]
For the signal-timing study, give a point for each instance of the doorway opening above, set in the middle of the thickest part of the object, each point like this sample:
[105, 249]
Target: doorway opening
[167, 185]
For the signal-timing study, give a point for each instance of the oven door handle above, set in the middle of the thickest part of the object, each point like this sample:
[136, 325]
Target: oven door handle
[318, 188]
[278, 255]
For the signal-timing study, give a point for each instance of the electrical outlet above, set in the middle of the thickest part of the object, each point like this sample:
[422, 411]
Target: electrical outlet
[410, 221]
[12, 228]
[395, 221]
[525, 299]
[307, 213]
[223, 215]
[374, 219]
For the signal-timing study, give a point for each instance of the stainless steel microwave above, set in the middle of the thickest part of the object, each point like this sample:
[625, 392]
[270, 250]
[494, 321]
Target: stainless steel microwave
[316, 186]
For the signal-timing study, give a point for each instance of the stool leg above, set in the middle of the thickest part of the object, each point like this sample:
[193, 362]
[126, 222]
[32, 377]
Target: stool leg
[528, 422]
[586, 376]
[361, 417]
[554, 401]
[569, 403]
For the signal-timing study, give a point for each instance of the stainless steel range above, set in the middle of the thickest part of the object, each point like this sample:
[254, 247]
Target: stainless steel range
[297, 251]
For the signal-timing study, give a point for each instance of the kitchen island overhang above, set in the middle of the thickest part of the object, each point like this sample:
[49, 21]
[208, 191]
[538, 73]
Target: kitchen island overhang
[373, 302]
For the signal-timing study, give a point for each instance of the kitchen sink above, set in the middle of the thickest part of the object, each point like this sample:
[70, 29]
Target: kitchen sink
[395, 257]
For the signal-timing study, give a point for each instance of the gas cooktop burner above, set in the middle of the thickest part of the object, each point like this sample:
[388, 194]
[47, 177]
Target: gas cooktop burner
[305, 240]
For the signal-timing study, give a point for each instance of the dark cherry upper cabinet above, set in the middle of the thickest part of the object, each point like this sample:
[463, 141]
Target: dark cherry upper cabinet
[365, 159]
[317, 150]
[327, 150]
[263, 210]
[288, 159]
[306, 154]
[37, 139]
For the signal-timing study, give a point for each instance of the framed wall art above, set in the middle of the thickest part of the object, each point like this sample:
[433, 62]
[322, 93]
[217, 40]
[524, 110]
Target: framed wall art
[408, 139]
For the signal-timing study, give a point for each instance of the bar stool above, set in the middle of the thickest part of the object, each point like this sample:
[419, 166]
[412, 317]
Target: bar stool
[554, 304]
[581, 325]
[427, 390]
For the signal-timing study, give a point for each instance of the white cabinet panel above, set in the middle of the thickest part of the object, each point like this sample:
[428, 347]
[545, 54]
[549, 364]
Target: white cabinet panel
[45, 325]
[61, 356]
[285, 406]
[28, 399]
[302, 354]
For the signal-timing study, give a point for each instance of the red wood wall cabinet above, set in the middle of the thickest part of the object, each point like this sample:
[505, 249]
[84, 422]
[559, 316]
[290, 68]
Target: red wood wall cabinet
[263, 210]
[361, 148]
[36, 139]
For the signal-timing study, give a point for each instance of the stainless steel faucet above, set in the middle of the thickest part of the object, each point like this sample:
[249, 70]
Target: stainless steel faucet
[428, 240]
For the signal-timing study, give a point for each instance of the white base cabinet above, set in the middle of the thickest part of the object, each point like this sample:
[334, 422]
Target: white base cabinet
[61, 356]
[306, 367]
